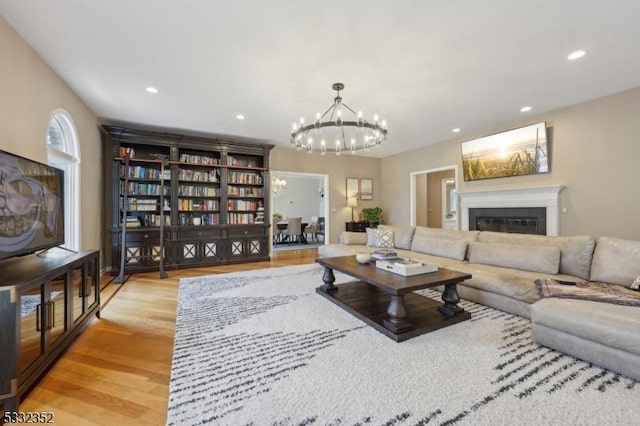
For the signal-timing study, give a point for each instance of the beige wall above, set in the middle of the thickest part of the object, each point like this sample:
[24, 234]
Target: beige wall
[595, 153]
[30, 91]
[339, 168]
[421, 199]
[434, 197]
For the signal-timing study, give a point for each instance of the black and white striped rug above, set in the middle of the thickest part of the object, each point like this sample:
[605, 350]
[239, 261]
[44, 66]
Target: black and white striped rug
[262, 348]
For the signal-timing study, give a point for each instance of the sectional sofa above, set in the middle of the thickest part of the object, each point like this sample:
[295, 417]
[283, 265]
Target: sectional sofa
[504, 268]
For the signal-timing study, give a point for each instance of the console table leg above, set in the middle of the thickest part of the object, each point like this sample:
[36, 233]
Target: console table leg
[397, 312]
[328, 279]
[451, 299]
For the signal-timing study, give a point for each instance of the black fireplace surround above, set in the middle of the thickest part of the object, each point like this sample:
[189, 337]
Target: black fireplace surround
[521, 220]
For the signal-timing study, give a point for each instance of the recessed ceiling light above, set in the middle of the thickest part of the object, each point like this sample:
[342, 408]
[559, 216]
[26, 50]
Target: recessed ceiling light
[526, 108]
[151, 89]
[456, 130]
[576, 54]
[240, 117]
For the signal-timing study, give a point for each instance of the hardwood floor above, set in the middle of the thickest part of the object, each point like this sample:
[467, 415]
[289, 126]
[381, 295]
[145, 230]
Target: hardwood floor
[118, 370]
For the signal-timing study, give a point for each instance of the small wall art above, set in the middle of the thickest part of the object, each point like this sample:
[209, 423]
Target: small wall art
[352, 188]
[366, 189]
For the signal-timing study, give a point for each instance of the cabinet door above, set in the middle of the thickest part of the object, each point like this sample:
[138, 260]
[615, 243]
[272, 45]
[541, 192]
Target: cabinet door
[55, 318]
[254, 246]
[85, 289]
[31, 344]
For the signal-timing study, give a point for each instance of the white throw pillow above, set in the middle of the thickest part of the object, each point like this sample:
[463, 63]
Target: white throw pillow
[379, 238]
[402, 235]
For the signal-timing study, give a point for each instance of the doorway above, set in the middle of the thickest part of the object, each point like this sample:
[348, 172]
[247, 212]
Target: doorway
[305, 195]
[434, 198]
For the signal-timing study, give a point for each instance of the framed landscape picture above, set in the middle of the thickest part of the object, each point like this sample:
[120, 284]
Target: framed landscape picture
[366, 189]
[517, 152]
[352, 188]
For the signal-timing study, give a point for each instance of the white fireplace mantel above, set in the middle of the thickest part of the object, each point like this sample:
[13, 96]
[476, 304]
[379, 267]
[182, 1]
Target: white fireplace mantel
[540, 196]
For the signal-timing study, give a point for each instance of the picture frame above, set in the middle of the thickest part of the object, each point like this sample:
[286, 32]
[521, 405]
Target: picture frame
[366, 189]
[352, 188]
[516, 152]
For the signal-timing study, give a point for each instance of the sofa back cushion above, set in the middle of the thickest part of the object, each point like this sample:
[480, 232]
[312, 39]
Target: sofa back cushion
[442, 242]
[576, 252]
[448, 234]
[402, 235]
[353, 238]
[545, 259]
[453, 249]
[616, 261]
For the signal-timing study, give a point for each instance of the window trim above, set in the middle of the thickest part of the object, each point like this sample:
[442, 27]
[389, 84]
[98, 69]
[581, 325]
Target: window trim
[69, 161]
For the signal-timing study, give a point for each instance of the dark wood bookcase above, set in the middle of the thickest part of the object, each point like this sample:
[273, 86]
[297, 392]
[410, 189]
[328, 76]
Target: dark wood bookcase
[46, 300]
[214, 192]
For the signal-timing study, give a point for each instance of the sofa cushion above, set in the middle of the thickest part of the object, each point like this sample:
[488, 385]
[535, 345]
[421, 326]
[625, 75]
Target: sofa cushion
[527, 258]
[616, 261]
[448, 234]
[453, 249]
[576, 252]
[612, 325]
[402, 235]
[379, 238]
[351, 238]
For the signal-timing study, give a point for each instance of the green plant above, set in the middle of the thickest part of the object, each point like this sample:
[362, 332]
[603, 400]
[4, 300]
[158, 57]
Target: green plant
[373, 215]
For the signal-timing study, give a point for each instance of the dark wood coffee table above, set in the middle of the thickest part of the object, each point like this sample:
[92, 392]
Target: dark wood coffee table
[386, 301]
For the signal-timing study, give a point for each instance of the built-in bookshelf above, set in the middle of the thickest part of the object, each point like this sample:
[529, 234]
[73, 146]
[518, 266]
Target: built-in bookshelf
[209, 194]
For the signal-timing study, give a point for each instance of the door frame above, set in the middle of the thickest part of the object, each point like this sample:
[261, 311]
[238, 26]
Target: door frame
[412, 190]
[325, 189]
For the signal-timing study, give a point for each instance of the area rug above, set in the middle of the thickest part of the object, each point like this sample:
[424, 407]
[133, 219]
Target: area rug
[262, 348]
[585, 290]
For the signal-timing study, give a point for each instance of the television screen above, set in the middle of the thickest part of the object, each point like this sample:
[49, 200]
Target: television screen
[31, 205]
[515, 152]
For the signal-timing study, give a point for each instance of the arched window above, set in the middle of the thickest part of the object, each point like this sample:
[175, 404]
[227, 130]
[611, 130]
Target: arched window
[63, 153]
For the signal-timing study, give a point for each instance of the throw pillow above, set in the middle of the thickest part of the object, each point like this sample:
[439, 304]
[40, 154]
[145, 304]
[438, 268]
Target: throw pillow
[402, 235]
[379, 238]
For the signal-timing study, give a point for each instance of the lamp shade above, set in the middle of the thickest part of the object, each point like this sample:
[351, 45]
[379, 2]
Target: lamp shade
[352, 202]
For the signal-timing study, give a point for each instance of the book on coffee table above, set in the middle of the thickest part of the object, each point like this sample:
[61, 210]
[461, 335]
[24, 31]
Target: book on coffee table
[384, 254]
[406, 267]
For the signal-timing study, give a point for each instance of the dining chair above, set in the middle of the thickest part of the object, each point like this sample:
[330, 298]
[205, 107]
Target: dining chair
[312, 228]
[294, 229]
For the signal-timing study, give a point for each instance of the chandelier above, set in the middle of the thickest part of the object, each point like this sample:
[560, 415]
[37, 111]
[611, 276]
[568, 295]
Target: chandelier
[278, 186]
[333, 131]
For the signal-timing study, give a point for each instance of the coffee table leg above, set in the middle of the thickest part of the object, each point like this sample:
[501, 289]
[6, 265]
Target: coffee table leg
[328, 279]
[451, 299]
[397, 312]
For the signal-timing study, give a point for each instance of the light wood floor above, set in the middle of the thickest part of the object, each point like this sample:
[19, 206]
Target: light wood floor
[118, 370]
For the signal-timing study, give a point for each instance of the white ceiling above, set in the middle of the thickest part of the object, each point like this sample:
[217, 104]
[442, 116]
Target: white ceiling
[425, 66]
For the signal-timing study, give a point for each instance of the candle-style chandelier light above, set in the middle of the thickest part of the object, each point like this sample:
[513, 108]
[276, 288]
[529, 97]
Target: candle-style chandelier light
[334, 132]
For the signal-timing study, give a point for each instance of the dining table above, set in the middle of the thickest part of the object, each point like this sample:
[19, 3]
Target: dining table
[280, 238]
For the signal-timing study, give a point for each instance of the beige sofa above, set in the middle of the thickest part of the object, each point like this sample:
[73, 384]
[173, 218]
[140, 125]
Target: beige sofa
[504, 268]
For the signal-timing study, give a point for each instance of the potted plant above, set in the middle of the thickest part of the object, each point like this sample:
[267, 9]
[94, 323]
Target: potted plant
[372, 215]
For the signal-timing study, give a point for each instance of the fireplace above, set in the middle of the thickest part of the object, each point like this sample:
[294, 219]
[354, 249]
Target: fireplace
[527, 220]
[513, 210]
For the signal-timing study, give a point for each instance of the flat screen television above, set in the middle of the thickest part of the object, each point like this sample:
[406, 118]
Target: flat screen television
[31, 206]
[516, 152]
